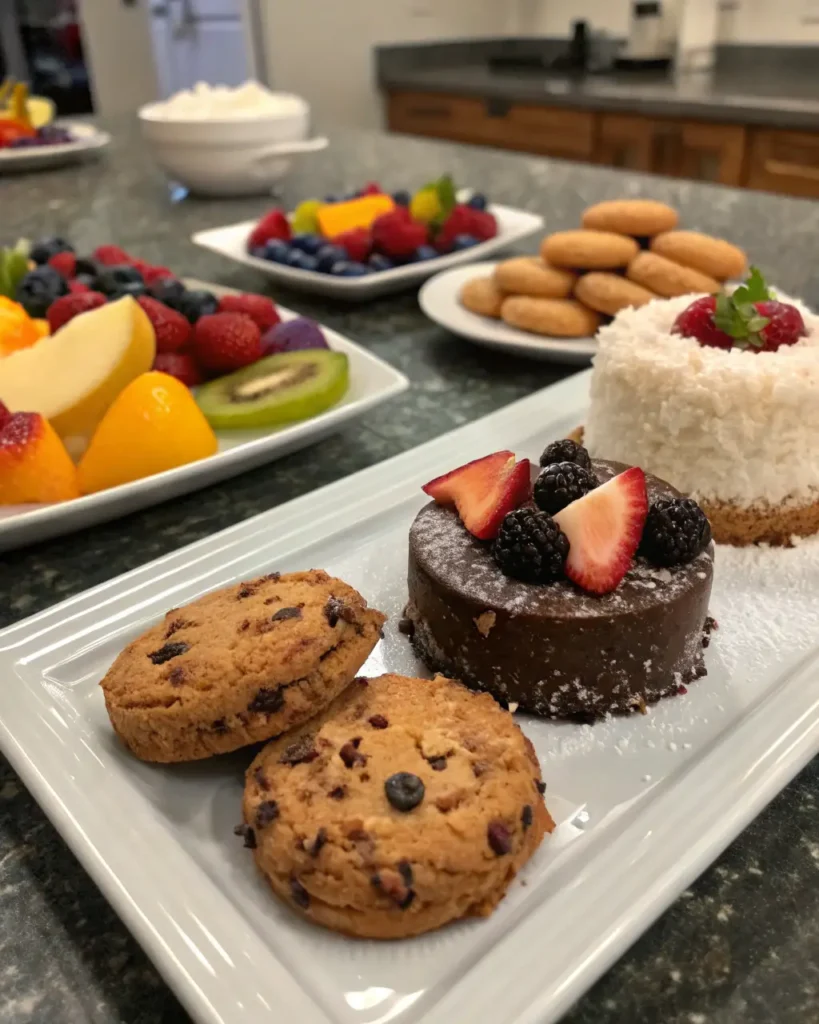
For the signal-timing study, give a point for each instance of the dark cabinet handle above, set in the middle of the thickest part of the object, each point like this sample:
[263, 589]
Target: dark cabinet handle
[496, 107]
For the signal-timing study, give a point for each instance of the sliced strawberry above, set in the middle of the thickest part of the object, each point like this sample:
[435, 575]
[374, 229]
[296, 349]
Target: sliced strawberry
[484, 491]
[604, 528]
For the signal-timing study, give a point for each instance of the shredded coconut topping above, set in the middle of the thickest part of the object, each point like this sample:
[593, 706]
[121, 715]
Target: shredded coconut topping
[724, 425]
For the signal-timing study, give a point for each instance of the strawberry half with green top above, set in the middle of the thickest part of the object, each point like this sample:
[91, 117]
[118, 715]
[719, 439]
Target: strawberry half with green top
[604, 528]
[484, 491]
[751, 319]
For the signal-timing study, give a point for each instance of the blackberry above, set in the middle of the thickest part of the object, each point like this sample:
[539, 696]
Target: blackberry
[531, 546]
[167, 290]
[560, 484]
[115, 280]
[195, 304]
[675, 531]
[565, 451]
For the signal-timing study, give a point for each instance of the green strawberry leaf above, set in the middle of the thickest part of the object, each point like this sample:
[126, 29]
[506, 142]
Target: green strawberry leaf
[737, 314]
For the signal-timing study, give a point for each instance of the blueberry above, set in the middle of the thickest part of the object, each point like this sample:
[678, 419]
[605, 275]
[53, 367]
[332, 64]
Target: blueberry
[168, 290]
[295, 258]
[39, 288]
[42, 251]
[257, 251]
[308, 243]
[379, 262]
[276, 251]
[88, 267]
[196, 303]
[113, 279]
[87, 280]
[308, 263]
[404, 790]
[133, 288]
[331, 198]
[328, 255]
[401, 197]
[477, 201]
[463, 242]
[345, 268]
[424, 252]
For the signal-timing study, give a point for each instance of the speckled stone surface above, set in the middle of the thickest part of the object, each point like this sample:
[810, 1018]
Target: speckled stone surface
[743, 944]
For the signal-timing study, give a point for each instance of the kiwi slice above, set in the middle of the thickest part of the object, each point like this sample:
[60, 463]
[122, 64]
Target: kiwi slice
[278, 389]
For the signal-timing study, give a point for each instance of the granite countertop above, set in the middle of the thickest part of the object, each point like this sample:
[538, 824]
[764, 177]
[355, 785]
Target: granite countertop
[781, 97]
[743, 943]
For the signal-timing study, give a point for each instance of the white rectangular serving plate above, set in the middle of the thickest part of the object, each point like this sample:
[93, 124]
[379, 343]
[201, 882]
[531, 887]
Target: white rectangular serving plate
[643, 803]
[513, 225]
[372, 381]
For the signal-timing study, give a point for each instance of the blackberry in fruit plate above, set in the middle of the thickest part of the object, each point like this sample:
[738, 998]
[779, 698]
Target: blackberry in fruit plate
[328, 256]
[477, 201]
[45, 248]
[675, 532]
[530, 546]
[85, 267]
[39, 288]
[132, 288]
[565, 450]
[197, 303]
[115, 279]
[561, 483]
[401, 197]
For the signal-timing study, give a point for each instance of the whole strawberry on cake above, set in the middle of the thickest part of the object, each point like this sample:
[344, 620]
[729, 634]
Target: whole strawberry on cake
[577, 588]
[718, 395]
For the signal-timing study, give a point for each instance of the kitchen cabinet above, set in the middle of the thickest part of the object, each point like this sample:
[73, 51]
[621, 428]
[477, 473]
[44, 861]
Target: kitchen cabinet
[781, 161]
[725, 154]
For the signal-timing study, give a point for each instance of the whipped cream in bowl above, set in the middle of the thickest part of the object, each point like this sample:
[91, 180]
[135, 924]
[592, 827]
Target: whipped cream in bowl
[225, 103]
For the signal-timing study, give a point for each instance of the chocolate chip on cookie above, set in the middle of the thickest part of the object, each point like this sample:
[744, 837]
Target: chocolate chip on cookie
[370, 845]
[260, 657]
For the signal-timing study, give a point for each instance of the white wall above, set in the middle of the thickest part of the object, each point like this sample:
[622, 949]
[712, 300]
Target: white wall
[117, 45]
[769, 22]
[322, 49]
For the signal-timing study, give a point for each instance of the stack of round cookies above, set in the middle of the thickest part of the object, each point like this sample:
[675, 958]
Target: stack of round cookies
[628, 252]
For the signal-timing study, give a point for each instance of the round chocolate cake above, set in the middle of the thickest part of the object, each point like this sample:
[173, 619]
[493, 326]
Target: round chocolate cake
[554, 649]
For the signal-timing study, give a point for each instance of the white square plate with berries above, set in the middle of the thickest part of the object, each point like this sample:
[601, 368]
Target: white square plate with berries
[320, 380]
[393, 252]
[72, 140]
[642, 803]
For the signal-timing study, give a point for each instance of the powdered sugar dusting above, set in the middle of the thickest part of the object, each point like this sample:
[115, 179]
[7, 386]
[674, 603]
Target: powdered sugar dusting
[730, 425]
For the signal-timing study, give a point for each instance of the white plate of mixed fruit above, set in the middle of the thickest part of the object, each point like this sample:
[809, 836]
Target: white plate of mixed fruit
[121, 385]
[372, 242]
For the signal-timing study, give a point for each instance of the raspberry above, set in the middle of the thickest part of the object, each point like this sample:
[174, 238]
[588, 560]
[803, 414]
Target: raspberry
[223, 342]
[274, 224]
[171, 329]
[66, 308]
[357, 243]
[560, 484]
[262, 311]
[78, 287]
[565, 450]
[675, 531]
[465, 220]
[111, 255]
[64, 263]
[396, 235]
[181, 365]
[530, 546]
[151, 274]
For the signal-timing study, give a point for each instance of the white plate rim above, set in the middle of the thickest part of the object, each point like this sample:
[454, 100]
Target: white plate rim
[45, 521]
[384, 282]
[438, 298]
[660, 853]
[88, 138]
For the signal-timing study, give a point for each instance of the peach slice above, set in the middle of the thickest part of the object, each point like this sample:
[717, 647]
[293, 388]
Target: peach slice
[34, 465]
[153, 425]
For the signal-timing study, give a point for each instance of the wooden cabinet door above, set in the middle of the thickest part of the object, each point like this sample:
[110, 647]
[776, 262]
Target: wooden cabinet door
[707, 152]
[784, 162]
[626, 142]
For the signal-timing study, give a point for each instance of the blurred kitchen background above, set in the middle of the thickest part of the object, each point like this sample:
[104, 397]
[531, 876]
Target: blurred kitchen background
[718, 90]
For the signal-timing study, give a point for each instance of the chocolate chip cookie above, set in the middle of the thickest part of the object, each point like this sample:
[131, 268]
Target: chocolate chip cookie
[407, 804]
[239, 665]
[640, 217]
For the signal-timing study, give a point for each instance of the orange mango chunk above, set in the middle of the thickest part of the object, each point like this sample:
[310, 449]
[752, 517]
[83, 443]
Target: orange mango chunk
[17, 329]
[334, 218]
[34, 464]
[153, 425]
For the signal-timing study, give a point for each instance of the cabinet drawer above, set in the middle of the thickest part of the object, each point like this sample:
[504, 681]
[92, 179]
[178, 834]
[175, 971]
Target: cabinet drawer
[493, 122]
[785, 162]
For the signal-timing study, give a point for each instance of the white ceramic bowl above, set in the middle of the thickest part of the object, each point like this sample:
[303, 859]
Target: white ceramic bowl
[229, 156]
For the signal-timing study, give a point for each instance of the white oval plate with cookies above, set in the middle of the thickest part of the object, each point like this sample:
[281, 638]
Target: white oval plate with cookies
[438, 298]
